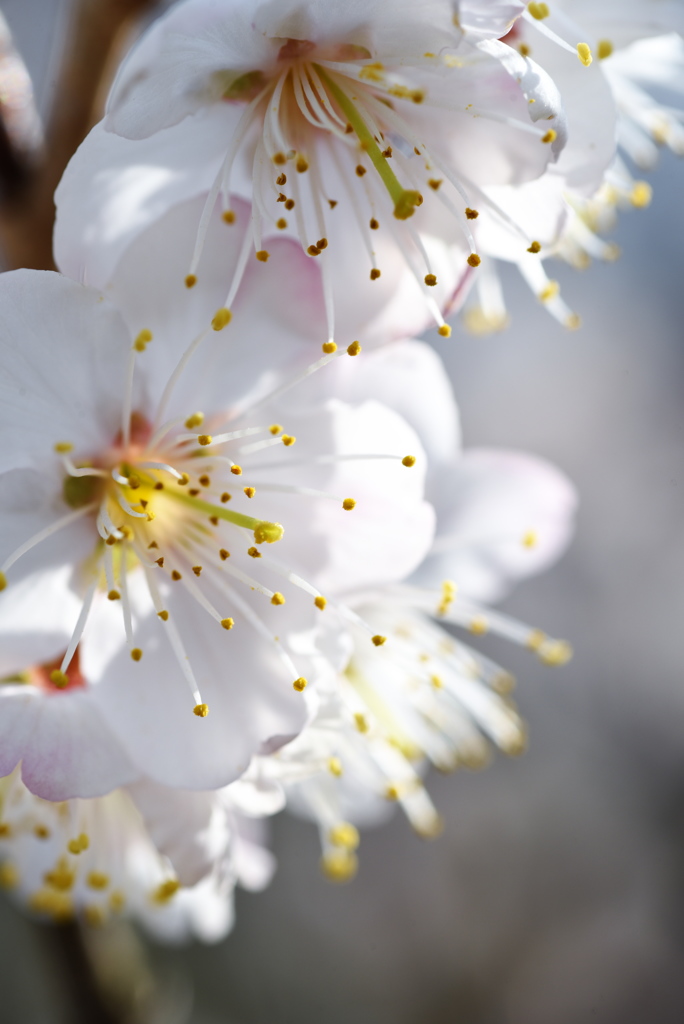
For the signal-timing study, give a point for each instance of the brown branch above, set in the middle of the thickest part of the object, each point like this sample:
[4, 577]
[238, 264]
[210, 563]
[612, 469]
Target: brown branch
[97, 33]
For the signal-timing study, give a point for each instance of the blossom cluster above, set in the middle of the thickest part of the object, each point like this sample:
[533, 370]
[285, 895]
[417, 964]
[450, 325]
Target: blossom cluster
[242, 545]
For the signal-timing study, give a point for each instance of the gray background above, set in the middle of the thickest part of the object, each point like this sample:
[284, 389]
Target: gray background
[556, 894]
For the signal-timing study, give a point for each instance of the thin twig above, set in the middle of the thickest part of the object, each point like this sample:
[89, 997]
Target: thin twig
[96, 34]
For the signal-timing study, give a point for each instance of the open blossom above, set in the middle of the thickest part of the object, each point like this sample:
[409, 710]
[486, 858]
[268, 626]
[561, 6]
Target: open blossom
[366, 133]
[612, 107]
[421, 694]
[167, 858]
[146, 478]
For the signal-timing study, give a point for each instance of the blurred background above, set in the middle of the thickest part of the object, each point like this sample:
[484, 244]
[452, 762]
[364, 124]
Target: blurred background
[556, 893]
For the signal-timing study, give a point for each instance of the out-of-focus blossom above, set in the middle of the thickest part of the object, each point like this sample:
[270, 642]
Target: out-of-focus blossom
[635, 51]
[145, 477]
[420, 694]
[366, 132]
[168, 858]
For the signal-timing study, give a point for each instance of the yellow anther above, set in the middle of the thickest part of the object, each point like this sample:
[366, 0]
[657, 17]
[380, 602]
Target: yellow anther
[41, 832]
[117, 901]
[538, 11]
[471, 214]
[641, 194]
[549, 292]
[604, 49]
[277, 598]
[530, 539]
[194, 421]
[204, 439]
[268, 533]
[201, 710]
[262, 255]
[448, 594]
[289, 204]
[249, 491]
[320, 602]
[97, 880]
[534, 247]
[379, 640]
[361, 722]
[549, 136]
[236, 470]
[183, 480]
[437, 682]
[79, 844]
[114, 595]
[478, 626]
[281, 180]
[227, 623]
[142, 341]
[223, 554]
[175, 575]
[335, 766]
[228, 216]
[164, 892]
[197, 569]
[9, 876]
[301, 164]
[339, 865]
[430, 280]
[584, 54]
[348, 504]
[163, 615]
[281, 223]
[190, 281]
[254, 552]
[444, 331]
[221, 317]
[288, 440]
[374, 274]
[360, 170]
[392, 792]
[473, 260]
[63, 447]
[136, 654]
[435, 183]
[313, 250]
[373, 224]
[279, 158]
[353, 349]
[300, 684]
[408, 460]
[515, 745]
[275, 429]
[524, 51]
[5, 830]
[344, 834]
[329, 347]
[205, 480]
[159, 561]
[555, 652]
[59, 678]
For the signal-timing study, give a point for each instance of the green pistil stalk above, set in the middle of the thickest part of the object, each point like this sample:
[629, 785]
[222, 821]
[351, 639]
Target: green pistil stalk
[405, 200]
[262, 529]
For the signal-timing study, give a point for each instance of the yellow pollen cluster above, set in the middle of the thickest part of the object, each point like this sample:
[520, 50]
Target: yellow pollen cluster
[604, 49]
[584, 54]
[550, 136]
[142, 341]
[538, 11]
[221, 318]
[348, 504]
[78, 845]
[320, 602]
[379, 640]
[339, 865]
[201, 710]
[448, 596]
[300, 684]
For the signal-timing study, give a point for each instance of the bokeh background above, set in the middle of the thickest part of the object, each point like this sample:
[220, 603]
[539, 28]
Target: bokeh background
[556, 893]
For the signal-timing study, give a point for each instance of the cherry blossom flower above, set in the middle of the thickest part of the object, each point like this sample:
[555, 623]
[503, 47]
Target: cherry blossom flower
[420, 694]
[146, 475]
[168, 858]
[366, 132]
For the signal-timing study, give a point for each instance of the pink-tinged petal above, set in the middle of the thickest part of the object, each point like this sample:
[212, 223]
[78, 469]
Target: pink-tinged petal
[62, 360]
[191, 829]
[149, 704]
[65, 748]
[503, 515]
